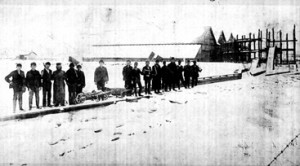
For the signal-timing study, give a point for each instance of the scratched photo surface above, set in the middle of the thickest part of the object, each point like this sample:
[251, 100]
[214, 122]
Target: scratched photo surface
[233, 100]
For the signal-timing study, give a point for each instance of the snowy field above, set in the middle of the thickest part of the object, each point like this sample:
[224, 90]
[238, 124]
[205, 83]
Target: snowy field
[242, 122]
[114, 71]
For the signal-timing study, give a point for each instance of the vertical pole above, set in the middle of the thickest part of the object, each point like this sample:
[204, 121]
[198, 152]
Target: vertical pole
[267, 39]
[254, 45]
[259, 43]
[261, 34]
[273, 35]
[280, 45]
[250, 52]
[287, 48]
[294, 43]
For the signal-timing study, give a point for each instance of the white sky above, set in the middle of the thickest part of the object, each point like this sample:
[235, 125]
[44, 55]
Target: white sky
[63, 28]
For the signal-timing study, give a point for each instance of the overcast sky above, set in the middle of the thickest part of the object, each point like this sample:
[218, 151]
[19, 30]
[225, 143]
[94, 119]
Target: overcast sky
[52, 28]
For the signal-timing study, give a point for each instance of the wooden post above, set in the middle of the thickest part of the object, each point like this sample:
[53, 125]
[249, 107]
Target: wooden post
[267, 39]
[249, 55]
[242, 42]
[261, 40]
[254, 45]
[273, 35]
[280, 45]
[294, 43]
[258, 43]
[287, 48]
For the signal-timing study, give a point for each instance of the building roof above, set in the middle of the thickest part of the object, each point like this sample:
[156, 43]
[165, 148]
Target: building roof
[222, 38]
[207, 38]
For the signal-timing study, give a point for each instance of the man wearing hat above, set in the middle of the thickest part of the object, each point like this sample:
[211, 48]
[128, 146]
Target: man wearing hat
[81, 80]
[72, 80]
[127, 75]
[147, 77]
[136, 77]
[101, 76]
[59, 77]
[195, 73]
[173, 68]
[156, 81]
[17, 83]
[33, 82]
[187, 74]
[179, 74]
[165, 75]
[46, 84]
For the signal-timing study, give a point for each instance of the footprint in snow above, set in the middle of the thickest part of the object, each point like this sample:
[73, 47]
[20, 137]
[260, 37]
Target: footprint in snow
[84, 147]
[119, 126]
[175, 102]
[151, 111]
[58, 125]
[54, 143]
[115, 139]
[117, 133]
[98, 131]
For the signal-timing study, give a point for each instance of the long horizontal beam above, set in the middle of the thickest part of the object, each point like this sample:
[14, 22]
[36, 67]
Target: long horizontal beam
[155, 44]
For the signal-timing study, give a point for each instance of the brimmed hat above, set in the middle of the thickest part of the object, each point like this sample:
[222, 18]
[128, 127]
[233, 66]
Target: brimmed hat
[101, 61]
[79, 66]
[19, 65]
[58, 63]
[33, 64]
[47, 63]
[71, 65]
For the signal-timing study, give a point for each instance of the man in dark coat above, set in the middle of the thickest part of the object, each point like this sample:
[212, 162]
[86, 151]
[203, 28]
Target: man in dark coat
[195, 73]
[147, 77]
[59, 77]
[156, 73]
[136, 77]
[101, 76]
[173, 75]
[127, 75]
[187, 74]
[72, 80]
[179, 74]
[46, 74]
[81, 79]
[33, 82]
[17, 83]
[165, 75]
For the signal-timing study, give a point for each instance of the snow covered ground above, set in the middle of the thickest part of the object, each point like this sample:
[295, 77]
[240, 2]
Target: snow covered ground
[242, 122]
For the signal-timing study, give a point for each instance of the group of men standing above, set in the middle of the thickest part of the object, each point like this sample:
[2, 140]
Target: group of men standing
[166, 77]
[35, 81]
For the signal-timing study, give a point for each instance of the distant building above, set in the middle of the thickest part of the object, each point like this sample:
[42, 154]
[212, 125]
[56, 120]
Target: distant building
[208, 50]
[30, 56]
